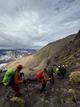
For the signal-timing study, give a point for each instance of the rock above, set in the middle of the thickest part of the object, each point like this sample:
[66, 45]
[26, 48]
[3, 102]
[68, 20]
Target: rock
[19, 101]
[72, 91]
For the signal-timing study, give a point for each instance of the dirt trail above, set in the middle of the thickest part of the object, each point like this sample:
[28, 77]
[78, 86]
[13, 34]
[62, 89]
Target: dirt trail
[53, 96]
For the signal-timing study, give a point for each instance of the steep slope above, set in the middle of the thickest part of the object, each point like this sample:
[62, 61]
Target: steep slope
[65, 51]
[53, 50]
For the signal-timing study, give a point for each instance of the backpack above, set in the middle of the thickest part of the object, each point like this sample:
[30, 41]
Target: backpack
[57, 70]
[8, 77]
[40, 75]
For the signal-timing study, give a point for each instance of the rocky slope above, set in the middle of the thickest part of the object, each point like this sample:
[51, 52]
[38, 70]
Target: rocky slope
[59, 94]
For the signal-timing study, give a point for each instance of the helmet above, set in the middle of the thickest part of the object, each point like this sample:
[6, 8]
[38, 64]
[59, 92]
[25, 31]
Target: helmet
[62, 65]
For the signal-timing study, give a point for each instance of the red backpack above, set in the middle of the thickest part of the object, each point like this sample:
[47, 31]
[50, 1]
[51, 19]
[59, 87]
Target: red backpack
[40, 75]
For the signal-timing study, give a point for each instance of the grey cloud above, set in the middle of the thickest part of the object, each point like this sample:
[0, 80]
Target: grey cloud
[34, 23]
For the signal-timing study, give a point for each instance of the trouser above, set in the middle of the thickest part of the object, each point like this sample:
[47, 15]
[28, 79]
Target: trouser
[63, 74]
[15, 87]
[43, 85]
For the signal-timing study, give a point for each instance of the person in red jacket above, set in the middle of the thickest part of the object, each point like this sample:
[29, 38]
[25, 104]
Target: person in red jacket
[43, 78]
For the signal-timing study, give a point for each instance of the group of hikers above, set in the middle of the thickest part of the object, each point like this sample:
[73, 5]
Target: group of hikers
[13, 77]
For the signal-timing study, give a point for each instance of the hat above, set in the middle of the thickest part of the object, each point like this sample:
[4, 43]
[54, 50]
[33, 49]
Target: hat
[19, 66]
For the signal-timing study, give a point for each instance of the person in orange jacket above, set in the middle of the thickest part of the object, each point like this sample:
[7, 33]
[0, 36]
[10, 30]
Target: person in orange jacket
[16, 80]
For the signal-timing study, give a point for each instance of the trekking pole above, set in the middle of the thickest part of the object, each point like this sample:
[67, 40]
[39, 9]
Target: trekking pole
[23, 77]
[26, 85]
[28, 93]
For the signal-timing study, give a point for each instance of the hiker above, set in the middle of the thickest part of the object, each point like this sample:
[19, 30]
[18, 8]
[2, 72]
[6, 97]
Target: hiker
[58, 71]
[12, 78]
[40, 76]
[63, 70]
[43, 78]
[50, 72]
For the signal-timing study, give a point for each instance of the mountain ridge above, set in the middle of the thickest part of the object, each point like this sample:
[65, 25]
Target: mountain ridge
[53, 53]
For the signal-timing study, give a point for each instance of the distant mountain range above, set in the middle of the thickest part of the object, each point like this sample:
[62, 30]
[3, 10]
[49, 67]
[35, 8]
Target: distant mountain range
[7, 55]
[3, 51]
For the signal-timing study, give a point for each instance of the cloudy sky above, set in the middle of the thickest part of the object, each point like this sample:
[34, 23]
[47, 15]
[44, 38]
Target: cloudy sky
[35, 23]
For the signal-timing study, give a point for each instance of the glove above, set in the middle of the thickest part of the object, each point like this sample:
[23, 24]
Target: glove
[49, 78]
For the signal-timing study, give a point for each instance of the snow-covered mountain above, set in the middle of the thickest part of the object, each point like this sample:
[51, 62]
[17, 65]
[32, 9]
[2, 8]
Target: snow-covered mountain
[7, 55]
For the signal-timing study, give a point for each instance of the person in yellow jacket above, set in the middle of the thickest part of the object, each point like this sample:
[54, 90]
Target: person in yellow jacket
[58, 72]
